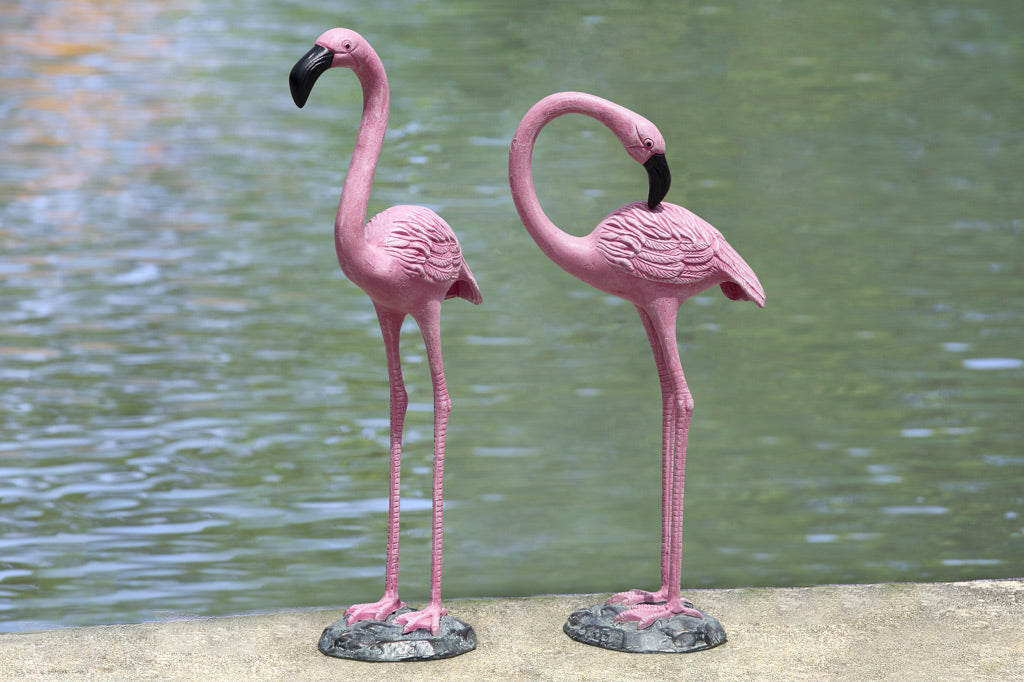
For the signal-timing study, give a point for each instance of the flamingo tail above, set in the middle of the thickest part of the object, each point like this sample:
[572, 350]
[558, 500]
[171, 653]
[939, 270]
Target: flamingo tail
[465, 287]
[742, 284]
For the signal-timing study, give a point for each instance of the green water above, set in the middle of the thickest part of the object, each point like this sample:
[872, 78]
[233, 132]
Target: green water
[193, 402]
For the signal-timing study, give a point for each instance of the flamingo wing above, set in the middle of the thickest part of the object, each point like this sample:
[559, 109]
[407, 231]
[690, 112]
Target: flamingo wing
[671, 245]
[426, 247]
[423, 243]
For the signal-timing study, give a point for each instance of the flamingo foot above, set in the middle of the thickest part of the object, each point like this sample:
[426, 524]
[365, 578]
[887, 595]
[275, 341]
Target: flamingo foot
[378, 610]
[428, 618]
[633, 597]
[644, 615]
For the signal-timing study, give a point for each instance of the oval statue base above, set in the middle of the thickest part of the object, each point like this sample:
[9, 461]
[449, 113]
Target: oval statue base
[375, 640]
[679, 634]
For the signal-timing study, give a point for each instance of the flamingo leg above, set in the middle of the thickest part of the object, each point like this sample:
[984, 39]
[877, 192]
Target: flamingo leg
[391, 329]
[662, 319]
[637, 596]
[429, 617]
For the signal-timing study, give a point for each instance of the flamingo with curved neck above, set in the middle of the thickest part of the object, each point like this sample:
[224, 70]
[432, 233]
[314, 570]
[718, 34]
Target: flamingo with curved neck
[655, 255]
[408, 261]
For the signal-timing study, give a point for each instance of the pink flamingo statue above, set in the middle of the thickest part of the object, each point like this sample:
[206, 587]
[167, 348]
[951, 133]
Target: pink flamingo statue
[408, 261]
[654, 255]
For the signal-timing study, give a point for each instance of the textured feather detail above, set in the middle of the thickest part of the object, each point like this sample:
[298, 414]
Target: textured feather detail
[424, 244]
[667, 245]
[671, 245]
[426, 248]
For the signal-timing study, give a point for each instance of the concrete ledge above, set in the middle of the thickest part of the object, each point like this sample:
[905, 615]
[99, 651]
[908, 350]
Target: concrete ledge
[971, 630]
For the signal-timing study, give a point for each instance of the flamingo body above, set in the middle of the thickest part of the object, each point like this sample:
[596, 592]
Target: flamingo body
[667, 252]
[413, 257]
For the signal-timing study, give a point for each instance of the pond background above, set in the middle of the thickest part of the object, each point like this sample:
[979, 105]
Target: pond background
[193, 402]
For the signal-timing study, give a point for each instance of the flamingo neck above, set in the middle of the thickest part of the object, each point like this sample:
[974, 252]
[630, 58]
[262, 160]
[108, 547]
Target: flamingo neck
[566, 250]
[350, 223]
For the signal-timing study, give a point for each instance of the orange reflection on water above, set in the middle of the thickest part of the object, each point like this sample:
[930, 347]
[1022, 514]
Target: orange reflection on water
[82, 101]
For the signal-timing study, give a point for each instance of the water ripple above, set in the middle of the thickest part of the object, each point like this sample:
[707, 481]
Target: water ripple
[992, 364]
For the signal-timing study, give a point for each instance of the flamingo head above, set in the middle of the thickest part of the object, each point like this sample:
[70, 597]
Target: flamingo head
[644, 143]
[336, 47]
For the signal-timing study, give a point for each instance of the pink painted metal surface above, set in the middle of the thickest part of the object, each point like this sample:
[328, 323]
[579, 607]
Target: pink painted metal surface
[408, 261]
[655, 255]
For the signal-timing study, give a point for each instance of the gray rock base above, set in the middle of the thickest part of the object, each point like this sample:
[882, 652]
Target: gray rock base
[679, 634]
[375, 640]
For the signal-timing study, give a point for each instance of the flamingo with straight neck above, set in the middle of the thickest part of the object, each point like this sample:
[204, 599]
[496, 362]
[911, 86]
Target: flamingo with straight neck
[655, 255]
[408, 261]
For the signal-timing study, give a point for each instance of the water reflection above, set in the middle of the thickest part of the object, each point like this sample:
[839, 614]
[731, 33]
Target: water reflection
[193, 401]
[993, 363]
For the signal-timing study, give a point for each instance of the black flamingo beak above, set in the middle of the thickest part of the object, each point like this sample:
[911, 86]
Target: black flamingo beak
[306, 71]
[660, 179]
